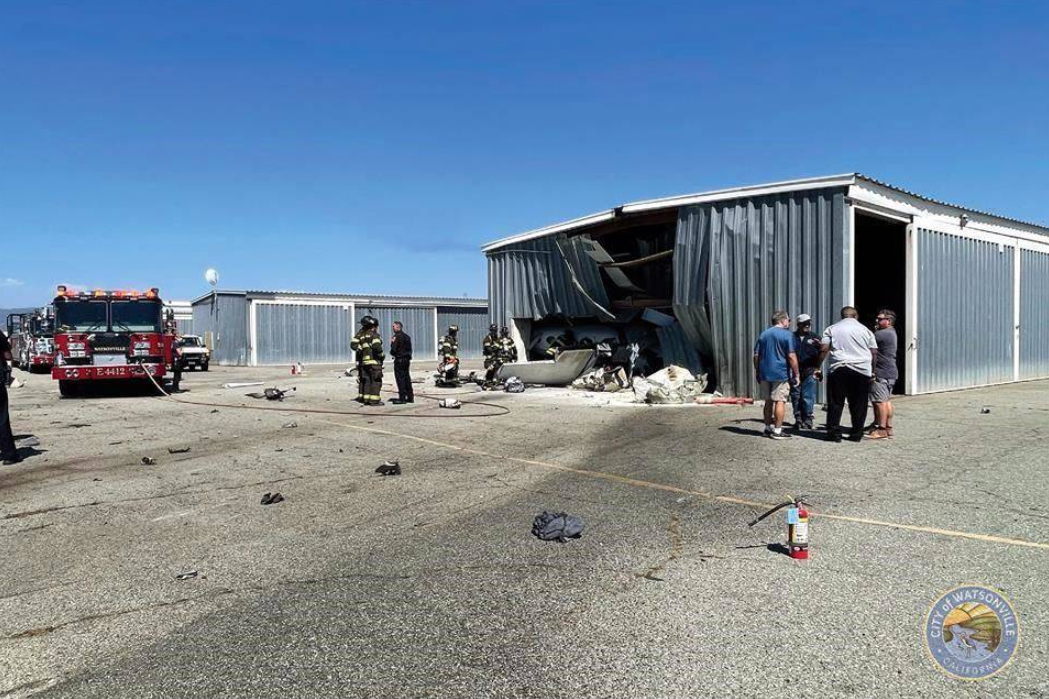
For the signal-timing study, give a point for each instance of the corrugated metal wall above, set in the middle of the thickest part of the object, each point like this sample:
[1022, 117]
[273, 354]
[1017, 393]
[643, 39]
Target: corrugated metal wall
[531, 280]
[1034, 315]
[965, 312]
[743, 259]
[473, 326]
[418, 323]
[225, 315]
[185, 326]
[307, 333]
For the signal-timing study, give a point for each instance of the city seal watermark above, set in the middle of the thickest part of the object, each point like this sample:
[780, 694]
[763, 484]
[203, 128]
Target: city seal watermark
[972, 632]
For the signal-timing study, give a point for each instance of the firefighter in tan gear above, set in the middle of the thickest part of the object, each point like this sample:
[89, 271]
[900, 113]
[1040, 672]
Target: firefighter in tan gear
[505, 352]
[448, 367]
[368, 345]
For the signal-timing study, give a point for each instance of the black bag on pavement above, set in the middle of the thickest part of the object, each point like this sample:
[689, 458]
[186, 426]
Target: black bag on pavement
[557, 526]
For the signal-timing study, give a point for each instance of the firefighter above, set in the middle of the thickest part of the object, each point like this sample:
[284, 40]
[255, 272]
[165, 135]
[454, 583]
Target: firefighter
[490, 345]
[448, 371]
[368, 345]
[505, 353]
[556, 346]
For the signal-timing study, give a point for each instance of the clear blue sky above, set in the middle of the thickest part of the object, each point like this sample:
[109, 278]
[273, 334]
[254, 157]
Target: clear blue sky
[374, 146]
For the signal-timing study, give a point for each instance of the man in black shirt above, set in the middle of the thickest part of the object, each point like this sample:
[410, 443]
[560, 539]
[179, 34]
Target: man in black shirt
[803, 393]
[7, 440]
[401, 351]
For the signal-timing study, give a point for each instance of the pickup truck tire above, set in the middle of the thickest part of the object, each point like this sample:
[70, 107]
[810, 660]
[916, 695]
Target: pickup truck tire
[204, 366]
[68, 389]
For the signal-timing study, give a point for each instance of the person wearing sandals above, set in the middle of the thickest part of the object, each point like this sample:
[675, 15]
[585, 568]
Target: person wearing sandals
[885, 375]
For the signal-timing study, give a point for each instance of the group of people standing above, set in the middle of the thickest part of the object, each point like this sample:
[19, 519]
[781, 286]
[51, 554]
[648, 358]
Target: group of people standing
[861, 368]
[367, 345]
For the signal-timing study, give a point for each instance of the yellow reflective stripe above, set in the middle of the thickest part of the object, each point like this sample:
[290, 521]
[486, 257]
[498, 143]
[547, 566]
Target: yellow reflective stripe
[370, 361]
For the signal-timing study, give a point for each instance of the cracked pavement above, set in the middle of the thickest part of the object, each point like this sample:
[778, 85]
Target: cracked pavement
[429, 584]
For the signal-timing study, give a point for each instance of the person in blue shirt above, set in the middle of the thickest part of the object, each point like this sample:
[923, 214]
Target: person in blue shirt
[776, 369]
[803, 394]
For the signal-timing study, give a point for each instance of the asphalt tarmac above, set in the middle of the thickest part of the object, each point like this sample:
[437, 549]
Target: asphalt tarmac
[429, 584]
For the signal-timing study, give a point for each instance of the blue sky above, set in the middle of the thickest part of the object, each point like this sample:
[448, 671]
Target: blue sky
[374, 146]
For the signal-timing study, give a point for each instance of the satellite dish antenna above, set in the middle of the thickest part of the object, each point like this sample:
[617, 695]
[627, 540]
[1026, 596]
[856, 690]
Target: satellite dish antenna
[212, 277]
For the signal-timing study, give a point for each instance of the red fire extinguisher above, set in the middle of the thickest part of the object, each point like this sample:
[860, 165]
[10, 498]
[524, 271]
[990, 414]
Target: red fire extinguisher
[797, 527]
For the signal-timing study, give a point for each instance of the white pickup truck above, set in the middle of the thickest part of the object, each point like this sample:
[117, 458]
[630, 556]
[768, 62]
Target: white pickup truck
[193, 353]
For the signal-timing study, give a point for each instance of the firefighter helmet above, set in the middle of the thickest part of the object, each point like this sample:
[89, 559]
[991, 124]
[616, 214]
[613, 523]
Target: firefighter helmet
[453, 329]
[504, 331]
[369, 322]
[493, 328]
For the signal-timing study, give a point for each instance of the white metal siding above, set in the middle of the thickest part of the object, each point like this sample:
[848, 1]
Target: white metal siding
[965, 312]
[225, 316]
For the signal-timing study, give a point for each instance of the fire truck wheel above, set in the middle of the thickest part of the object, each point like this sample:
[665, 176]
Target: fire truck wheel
[68, 389]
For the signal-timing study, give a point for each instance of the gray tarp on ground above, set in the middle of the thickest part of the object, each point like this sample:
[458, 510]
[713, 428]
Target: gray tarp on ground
[735, 262]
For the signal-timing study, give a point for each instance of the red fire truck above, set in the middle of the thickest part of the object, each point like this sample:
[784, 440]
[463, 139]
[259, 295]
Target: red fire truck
[32, 339]
[111, 335]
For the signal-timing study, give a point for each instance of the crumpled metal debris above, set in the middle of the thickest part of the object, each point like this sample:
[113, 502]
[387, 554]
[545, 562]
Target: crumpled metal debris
[450, 403]
[148, 461]
[178, 450]
[603, 380]
[289, 425]
[272, 498]
[514, 385]
[673, 385]
[389, 468]
[188, 575]
[27, 442]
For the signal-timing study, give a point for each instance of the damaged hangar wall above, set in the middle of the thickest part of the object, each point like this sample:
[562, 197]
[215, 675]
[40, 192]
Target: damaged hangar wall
[530, 279]
[735, 262]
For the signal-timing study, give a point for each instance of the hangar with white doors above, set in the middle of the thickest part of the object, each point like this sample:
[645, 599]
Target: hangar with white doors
[259, 328]
[693, 279]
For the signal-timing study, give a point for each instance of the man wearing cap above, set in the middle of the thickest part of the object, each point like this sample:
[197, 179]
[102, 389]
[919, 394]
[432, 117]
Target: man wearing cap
[885, 374]
[803, 393]
[776, 368]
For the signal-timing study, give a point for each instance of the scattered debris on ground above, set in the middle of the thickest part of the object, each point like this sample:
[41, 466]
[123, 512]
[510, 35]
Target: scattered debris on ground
[277, 394]
[188, 575]
[557, 526]
[148, 461]
[178, 450]
[243, 384]
[389, 468]
[289, 425]
[610, 380]
[77, 425]
[984, 410]
[669, 386]
[450, 403]
[27, 442]
[272, 498]
[514, 385]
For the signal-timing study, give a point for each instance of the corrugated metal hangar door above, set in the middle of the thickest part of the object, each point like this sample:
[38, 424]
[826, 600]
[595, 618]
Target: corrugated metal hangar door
[418, 323]
[1034, 315]
[309, 333]
[473, 326]
[965, 312]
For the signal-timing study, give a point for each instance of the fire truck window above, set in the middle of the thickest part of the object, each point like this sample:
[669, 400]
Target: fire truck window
[136, 316]
[81, 316]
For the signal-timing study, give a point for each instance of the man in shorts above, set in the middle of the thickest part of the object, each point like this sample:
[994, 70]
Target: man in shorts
[885, 375]
[776, 369]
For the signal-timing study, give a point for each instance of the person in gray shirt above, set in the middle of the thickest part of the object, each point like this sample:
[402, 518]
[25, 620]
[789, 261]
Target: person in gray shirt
[851, 351]
[885, 375]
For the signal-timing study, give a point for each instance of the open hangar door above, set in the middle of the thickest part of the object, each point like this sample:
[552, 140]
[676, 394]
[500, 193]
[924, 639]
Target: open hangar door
[311, 333]
[419, 323]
